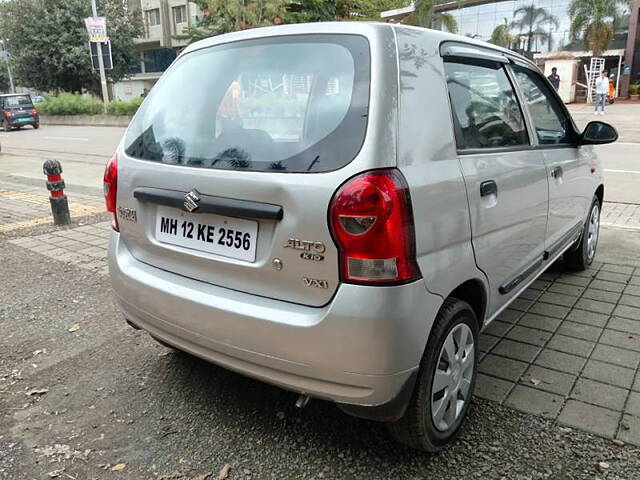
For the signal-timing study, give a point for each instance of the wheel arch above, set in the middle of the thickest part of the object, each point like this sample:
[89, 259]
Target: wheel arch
[473, 292]
[600, 194]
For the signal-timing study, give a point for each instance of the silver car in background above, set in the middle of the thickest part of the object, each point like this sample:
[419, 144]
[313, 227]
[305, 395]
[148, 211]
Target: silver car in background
[340, 208]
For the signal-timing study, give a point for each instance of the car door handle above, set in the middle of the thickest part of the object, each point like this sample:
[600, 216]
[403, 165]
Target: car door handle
[556, 172]
[488, 187]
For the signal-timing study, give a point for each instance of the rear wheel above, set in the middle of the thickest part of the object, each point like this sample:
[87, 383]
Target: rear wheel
[445, 382]
[581, 256]
[36, 126]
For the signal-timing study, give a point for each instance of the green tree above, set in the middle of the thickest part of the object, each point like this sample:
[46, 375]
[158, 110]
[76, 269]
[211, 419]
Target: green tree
[4, 77]
[48, 42]
[232, 15]
[531, 22]
[501, 35]
[424, 16]
[595, 22]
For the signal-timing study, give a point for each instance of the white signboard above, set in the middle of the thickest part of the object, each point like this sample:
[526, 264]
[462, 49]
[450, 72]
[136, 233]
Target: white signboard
[97, 29]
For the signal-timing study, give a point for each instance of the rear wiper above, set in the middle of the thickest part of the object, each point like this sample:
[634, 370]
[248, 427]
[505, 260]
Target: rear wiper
[313, 163]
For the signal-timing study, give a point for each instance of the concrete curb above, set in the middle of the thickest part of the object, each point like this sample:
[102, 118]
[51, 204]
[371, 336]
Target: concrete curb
[86, 120]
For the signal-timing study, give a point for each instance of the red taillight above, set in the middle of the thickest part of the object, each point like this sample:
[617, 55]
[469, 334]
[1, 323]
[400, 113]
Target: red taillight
[371, 221]
[8, 113]
[34, 111]
[111, 189]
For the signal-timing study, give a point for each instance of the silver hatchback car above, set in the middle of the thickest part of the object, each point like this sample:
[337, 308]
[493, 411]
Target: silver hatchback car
[340, 208]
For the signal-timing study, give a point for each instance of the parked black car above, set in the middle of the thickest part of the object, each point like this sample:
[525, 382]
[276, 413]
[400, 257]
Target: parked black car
[18, 111]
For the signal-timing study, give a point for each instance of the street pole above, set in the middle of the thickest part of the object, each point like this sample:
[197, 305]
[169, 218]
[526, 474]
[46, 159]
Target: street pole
[6, 58]
[13, 88]
[103, 77]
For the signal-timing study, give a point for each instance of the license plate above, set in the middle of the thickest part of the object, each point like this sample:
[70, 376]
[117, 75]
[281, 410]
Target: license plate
[205, 232]
[25, 119]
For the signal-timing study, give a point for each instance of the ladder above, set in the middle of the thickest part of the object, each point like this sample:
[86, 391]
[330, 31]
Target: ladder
[596, 66]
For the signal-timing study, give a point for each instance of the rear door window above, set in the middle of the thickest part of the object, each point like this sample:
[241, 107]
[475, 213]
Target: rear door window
[18, 101]
[485, 108]
[295, 104]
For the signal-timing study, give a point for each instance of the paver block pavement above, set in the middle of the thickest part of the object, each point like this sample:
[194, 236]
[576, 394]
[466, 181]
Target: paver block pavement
[516, 350]
[630, 300]
[629, 430]
[601, 295]
[595, 306]
[608, 373]
[615, 355]
[624, 325]
[600, 394]
[608, 286]
[491, 388]
[535, 401]
[528, 335]
[558, 299]
[633, 404]
[501, 367]
[590, 418]
[497, 328]
[532, 320]
[589, 318]
[564, 362]
[579, 330]
[616, 338]
[574, 346]
[550, 310]
[627, 312]
[549, 380]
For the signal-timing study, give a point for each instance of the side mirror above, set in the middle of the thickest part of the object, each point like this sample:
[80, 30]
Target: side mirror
[596, 133]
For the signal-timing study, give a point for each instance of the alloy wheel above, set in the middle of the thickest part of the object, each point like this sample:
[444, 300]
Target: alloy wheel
[451, 388]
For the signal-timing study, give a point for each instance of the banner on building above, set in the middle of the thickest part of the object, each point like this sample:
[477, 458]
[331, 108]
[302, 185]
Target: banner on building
[97, 29]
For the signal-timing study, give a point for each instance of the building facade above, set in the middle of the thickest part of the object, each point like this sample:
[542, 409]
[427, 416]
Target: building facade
[546, 35]
[162, 20]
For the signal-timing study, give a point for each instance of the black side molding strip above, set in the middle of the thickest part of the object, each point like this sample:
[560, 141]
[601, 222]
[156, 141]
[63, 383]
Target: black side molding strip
[211, 204]
[569, 237]
[518, 278]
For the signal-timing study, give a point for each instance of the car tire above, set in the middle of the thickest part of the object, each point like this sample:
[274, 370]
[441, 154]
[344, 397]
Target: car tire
[5, 126]
[36, 126]
[580, 257]
[430, 421]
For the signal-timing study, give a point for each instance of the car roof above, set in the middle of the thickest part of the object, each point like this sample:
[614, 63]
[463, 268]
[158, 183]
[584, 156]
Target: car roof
[14, 95]
[362, 28]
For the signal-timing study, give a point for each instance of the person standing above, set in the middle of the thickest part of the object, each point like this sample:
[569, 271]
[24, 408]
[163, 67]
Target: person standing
[602, 90]
[554, 78]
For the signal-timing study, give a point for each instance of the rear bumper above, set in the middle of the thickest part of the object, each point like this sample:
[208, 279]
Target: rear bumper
[362, 349]
[15, 122]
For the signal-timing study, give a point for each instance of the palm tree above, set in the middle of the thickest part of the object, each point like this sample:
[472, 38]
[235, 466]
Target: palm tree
[530, 21]
[595, 21]
[501, 36]
[424, 16]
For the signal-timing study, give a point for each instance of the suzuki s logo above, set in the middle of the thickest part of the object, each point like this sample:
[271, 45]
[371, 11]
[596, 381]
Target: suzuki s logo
[192, 200]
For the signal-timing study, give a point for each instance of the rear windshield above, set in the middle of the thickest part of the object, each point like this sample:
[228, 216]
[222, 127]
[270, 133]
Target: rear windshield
[17, 101]
[294, 103]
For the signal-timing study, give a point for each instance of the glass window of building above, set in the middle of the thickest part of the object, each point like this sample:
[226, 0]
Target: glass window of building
[180, 14]
[153, 17]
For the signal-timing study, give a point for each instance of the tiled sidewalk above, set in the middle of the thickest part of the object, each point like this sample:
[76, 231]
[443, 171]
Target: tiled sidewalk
[623, 215]
[85, 246]
[569, 348]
